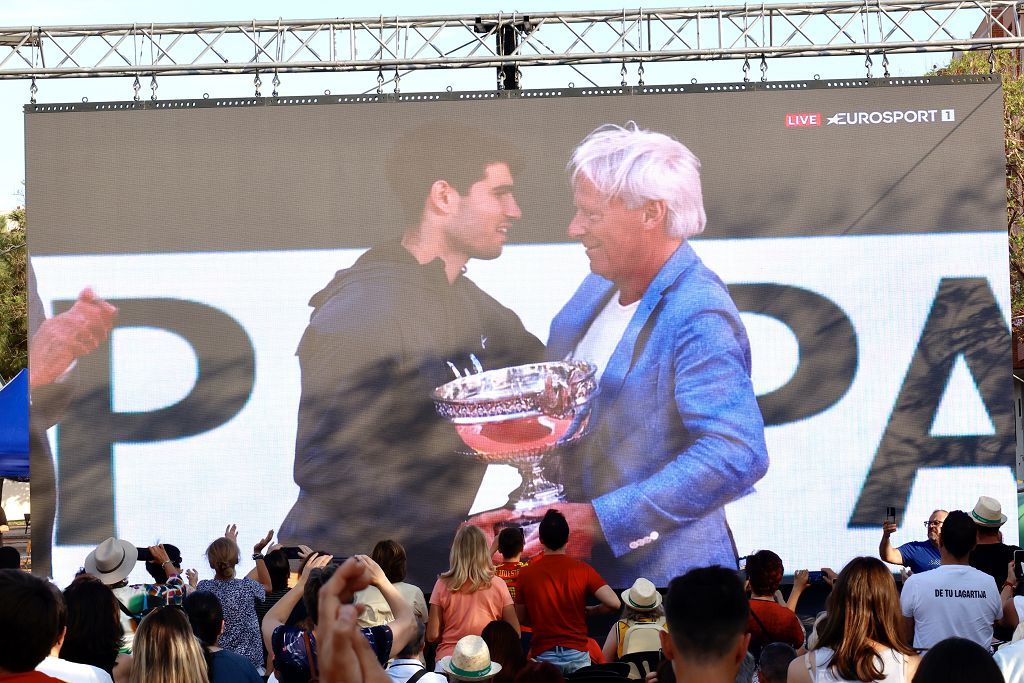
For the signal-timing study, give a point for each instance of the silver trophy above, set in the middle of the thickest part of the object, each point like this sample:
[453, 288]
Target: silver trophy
[519, 415]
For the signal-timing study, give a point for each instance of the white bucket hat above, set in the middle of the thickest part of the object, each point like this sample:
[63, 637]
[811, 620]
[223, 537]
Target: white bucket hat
[642, 595]
[112, 561]
[471, 660]
[988, 512]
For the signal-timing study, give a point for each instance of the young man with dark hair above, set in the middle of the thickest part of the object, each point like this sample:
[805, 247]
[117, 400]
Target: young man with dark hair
[552, 594]
[370, 447]
[30, 623]
[510, 543]
[954, 599]
[706, 611]
[409, 662]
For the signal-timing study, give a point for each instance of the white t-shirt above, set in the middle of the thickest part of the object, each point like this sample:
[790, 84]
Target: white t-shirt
[73, 672]
[604, 333]
[1010, 659]
[894, 667]
[951, 600]
[401, 670]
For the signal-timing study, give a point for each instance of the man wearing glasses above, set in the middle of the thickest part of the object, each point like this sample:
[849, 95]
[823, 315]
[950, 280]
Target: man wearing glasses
[918, 556]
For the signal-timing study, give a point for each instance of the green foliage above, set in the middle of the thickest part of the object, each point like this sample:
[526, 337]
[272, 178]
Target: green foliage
[13, 294]
[1006, 62]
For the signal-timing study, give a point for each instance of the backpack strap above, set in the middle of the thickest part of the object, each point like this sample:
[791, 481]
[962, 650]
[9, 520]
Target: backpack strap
[417, 676]
[620, 634]
[768, 638]
[128, 612]
[314, 674]
[812, 669]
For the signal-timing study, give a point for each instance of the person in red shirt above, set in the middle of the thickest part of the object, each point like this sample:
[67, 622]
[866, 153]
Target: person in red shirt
[551, 596]
[30, 622]
[769, 621]
[509, 544]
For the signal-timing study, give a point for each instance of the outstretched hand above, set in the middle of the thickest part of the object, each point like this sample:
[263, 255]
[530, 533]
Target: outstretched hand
[231, 532]
[263, 542]
[374, 572]
[68, 336]
[318, 562]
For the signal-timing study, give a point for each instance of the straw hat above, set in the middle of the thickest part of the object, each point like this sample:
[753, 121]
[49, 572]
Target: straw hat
[642, 595]
[471, 660]
[112, 561]
[988, 512]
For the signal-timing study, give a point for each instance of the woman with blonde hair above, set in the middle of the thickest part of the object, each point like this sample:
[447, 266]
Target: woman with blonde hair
[468, 596]
[166, 651]
[860, 638]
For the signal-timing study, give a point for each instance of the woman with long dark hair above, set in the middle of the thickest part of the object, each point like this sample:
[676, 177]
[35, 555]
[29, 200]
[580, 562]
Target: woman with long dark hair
[206, 616]
[506, 648]
[94, 632]
[860, 638]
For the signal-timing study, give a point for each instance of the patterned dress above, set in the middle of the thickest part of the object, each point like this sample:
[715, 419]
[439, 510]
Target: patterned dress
[241, 634]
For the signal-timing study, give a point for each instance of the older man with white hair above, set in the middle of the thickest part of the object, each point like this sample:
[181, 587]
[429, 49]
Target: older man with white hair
[677, 431]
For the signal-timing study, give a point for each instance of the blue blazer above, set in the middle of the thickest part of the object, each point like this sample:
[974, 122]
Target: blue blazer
[676, 432]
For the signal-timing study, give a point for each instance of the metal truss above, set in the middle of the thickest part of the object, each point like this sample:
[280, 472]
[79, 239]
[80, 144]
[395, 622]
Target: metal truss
[747, 31]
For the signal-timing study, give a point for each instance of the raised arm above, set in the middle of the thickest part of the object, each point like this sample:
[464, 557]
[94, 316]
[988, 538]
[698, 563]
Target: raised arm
[262, 574]
[403, 626]
[885, 549]
[278, 614]
[800, 579]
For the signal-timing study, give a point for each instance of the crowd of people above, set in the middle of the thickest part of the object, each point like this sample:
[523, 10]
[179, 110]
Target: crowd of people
[496, 616]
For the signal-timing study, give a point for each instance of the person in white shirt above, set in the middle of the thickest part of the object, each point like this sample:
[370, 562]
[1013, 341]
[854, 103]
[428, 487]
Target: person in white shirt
[390, 555]
[408, 665]
[72, 672]
[954, 599]
[1010, 658]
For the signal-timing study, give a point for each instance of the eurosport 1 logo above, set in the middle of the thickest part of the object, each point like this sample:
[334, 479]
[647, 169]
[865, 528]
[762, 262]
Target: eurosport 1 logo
[861, 118]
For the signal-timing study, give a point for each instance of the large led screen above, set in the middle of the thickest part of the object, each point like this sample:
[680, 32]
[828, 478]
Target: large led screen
[833, 342]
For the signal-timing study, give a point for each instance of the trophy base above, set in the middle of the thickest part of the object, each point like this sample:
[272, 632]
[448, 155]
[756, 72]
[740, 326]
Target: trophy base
[537, 499]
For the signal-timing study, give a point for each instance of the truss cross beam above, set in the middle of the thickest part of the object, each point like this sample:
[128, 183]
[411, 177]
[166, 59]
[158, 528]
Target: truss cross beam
[510, 41]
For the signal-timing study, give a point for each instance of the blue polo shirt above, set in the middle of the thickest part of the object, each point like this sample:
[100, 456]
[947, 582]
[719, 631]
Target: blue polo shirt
[920, 556]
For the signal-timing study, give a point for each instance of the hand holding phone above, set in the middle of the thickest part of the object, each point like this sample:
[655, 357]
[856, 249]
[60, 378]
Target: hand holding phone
[890, 515]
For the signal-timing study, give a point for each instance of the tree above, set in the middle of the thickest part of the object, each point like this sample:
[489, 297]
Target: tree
[13, 294]
[1008, 64]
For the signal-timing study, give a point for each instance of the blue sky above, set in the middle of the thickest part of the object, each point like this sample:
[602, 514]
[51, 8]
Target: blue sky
[15, 94]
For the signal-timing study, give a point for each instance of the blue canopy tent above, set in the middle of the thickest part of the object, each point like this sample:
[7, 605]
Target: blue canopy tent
[14, 427]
